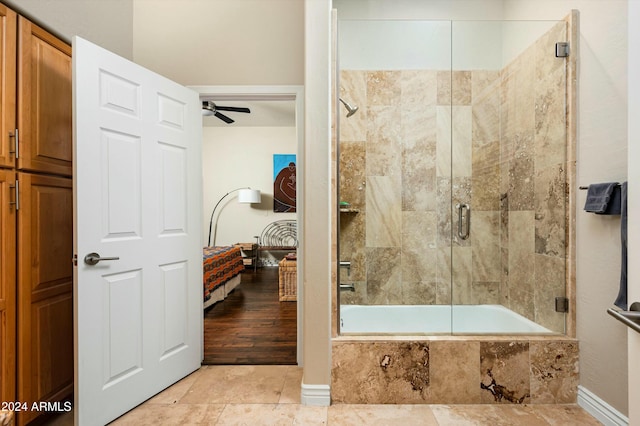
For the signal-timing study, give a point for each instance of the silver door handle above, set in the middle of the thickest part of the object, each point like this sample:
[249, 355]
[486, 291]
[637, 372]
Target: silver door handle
[464, 233]
[94, 258]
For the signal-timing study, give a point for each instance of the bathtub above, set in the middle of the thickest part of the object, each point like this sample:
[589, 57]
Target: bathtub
[435, 319]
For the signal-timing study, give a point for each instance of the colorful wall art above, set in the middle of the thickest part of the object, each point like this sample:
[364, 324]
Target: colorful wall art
[284, 183]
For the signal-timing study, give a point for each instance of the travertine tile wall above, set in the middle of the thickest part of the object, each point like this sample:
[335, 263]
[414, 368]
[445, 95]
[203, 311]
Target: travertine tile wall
[505, 132]
[464, 371]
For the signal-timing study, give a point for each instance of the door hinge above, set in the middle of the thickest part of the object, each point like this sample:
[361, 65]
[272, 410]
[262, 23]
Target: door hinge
[16, 149]
[16, 197]
[562, 50]
[562, 304]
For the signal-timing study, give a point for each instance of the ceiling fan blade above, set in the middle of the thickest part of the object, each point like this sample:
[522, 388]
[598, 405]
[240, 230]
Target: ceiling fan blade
[223, 117]
[234, 109]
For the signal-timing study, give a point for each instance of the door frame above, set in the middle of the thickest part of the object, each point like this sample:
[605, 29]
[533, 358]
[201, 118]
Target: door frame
[283, 93]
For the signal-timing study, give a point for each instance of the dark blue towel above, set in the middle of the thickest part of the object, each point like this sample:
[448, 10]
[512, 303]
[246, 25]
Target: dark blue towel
[600, 197]
[614, 205]
[621, 300]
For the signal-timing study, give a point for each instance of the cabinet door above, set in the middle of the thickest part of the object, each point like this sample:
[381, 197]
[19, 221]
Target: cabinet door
[7, 286]
[44, 101]
[45, 290]
[7, 86]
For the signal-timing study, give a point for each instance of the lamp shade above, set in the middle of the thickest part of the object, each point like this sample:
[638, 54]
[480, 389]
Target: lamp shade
[251, 196]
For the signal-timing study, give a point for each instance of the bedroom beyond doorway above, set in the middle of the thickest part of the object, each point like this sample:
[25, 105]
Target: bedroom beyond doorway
[251, 326]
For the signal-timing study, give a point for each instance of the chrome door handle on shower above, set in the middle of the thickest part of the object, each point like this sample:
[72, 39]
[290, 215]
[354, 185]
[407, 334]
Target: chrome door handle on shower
[463, 232]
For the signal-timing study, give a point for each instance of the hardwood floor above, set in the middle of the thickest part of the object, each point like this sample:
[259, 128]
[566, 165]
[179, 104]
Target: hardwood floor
[251, 326]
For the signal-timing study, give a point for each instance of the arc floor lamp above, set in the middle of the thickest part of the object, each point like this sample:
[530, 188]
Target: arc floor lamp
[246, 195]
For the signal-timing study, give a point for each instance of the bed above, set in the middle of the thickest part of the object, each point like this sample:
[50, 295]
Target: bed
[222, 266]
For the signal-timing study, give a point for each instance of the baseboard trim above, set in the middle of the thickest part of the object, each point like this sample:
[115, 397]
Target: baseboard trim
[316, 395]
[599, 409]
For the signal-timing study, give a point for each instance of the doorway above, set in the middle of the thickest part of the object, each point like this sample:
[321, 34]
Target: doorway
[241, 154]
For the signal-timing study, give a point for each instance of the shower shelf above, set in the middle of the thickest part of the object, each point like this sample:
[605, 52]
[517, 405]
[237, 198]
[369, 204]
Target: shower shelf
[349, 211]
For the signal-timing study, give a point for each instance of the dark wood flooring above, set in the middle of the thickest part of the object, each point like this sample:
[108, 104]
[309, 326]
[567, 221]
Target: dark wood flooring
[251, 326]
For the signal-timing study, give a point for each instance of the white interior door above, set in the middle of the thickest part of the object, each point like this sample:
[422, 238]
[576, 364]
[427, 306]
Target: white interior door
[137, 198]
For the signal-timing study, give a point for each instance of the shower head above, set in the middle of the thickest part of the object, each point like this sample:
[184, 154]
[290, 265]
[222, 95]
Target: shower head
[350, 110]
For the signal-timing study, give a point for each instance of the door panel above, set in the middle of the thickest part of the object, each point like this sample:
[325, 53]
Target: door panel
[7, 85]
[44, 101]
[509, 180]
[45, 292]
[138, 198]
[7, 287]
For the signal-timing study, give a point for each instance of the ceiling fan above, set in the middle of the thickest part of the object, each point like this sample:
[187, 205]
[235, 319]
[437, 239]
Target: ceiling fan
[210, 108]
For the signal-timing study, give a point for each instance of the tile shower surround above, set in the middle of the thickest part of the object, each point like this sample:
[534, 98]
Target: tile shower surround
[509, 148]
[514, 154]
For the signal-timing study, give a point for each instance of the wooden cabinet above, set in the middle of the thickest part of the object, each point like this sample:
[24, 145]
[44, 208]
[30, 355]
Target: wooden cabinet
[45, 290]
[36, 217]
[7, 286]
[8, 20]
[44, 101]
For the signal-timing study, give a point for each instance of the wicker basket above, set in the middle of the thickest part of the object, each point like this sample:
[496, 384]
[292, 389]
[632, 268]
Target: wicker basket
[288, 280]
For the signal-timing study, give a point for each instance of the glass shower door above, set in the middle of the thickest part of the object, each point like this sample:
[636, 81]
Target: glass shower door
[394, 167]
[508, 153]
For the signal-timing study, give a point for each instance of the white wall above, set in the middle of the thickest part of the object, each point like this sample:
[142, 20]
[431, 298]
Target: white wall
[221, 42]
[433, 44]
[317, 218]
[235, 157]
[367, 44]
[419, 9]
[108, 24]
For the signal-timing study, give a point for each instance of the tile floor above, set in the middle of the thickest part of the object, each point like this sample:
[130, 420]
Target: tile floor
[270, 395]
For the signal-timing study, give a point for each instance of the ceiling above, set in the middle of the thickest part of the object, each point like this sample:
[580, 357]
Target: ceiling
[264, 113]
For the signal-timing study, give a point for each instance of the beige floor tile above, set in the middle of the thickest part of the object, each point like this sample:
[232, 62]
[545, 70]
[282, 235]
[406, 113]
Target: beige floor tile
[270, 395]
[311, 416]
[257, 415]
[509, 414]
[291, 391]
[174, 393]
[485, 414]
[171, 414]
[562, 415]
[238, 384]
[383, 415]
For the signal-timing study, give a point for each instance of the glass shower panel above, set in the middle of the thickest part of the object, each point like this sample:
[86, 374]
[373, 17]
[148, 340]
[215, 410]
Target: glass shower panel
[394, 165]
[508, 153]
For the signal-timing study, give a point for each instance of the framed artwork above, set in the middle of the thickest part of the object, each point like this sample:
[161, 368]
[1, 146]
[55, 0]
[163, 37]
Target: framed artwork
[284, 183]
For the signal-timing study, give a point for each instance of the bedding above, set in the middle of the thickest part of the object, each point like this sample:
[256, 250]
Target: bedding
[221, 272]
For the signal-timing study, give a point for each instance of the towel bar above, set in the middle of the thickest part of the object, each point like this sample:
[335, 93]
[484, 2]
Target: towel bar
[630, 318]
[586, 187]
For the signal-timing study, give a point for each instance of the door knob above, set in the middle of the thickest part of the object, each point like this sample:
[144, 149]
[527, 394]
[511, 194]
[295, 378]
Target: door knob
[94, 258]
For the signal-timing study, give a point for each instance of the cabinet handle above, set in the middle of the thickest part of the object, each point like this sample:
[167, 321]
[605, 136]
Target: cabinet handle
[16, 151]
[16, 187]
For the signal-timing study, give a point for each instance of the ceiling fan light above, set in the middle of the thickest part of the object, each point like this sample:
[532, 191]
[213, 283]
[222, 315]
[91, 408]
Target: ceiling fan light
[208, 108]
